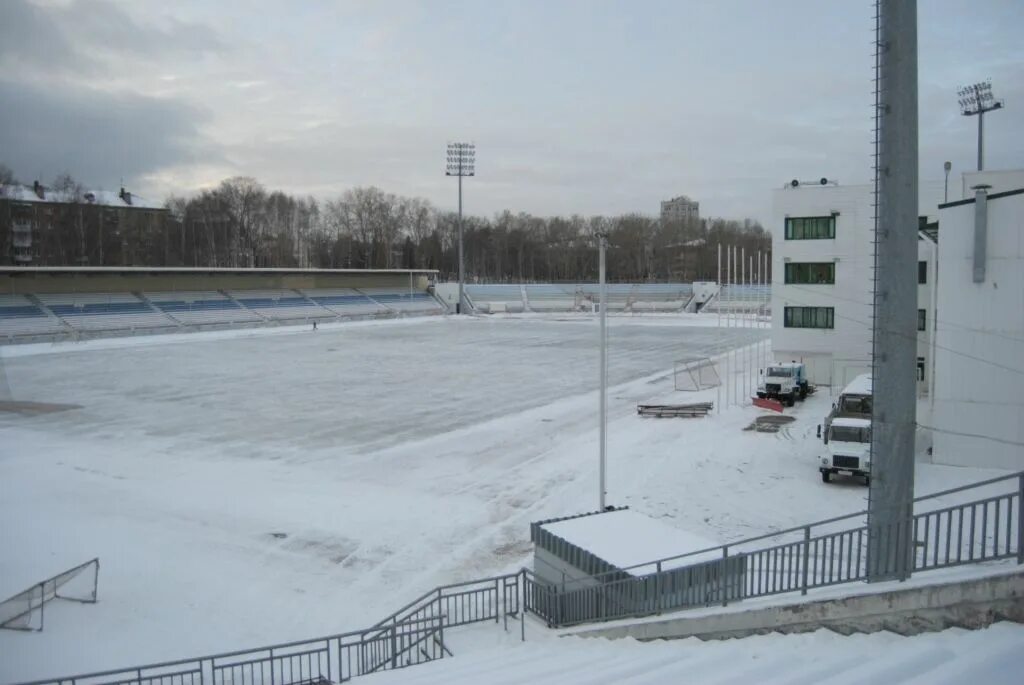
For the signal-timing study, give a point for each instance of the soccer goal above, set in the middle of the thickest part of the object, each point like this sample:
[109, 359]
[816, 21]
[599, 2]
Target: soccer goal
[696, 374]
[24, 611]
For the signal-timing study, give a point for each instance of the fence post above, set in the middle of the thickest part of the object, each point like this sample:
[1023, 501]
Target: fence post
[723, 579]
[807, 560]
[1020, 519]
[497, 600]
[42, 605]
[394, 643]
[522, 609]
[658, 587]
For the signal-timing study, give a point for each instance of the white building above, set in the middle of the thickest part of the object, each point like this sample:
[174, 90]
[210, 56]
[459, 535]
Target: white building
[680, 208]
[822, 264]
[978, 403]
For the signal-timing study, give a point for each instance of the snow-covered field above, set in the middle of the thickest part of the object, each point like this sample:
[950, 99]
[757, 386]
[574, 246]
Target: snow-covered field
[250, 487]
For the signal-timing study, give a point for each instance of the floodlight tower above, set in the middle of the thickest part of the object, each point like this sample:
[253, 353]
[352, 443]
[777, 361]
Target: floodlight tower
[976, 99]
[461, 162]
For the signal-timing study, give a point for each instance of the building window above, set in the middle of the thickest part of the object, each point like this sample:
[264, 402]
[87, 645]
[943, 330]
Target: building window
[809, 317]
[922, 321]
[920, 369]
[811, 272]
[922, 272]
[810, 227]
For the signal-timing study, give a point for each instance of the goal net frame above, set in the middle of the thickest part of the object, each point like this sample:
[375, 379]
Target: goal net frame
[693, 375]
[24, 611]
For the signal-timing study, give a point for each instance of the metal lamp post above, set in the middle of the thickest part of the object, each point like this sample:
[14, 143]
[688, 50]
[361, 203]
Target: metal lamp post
[602, 241]
[945, 193]
[976, 99]
[461, 162]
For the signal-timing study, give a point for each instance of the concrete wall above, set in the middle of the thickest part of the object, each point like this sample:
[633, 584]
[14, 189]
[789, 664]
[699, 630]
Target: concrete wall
[845, 350]
[967, 604]
[999, 180]
[117, 280]
[979, 371]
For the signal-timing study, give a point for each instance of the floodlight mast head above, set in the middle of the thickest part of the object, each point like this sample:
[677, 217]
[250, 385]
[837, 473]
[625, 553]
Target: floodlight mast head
[461, 159]
[977, 98]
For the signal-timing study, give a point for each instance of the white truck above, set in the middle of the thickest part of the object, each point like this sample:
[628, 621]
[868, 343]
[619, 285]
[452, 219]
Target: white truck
[847, 432]
[784, 382]
[849, 449]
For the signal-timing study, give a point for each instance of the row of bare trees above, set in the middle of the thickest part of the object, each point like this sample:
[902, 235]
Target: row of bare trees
[241, 224]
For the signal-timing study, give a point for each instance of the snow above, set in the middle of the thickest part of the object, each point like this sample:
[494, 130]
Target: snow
[861, 385]
[846, 422]
[626, 538]
[992, 656]
[393, 456]
[105, 198]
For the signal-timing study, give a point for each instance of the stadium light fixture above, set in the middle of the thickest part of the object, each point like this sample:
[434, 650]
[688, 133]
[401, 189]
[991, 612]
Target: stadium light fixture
[975, 100]
[461, 162]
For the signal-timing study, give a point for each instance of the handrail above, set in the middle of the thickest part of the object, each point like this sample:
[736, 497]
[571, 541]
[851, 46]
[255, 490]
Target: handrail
[822, 522]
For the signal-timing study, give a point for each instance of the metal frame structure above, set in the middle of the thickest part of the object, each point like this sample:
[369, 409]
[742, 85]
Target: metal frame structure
[24, 604]
[461, 162]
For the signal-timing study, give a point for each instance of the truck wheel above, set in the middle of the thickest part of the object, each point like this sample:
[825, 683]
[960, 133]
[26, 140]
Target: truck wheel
[803, 393]
[791, 400]
[867, 481]
[760, 395]
[825, 477]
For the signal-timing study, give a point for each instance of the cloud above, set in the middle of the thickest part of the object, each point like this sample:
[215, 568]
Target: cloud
[98, 136]
[86, 38]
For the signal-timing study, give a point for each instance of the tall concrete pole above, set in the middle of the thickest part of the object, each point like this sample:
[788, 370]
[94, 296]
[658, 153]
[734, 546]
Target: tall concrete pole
[894, 339]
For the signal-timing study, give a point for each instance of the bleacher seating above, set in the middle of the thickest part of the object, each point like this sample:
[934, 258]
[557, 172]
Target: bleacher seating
[552, 298]
[345, 301]
[105, 311]
[20, 317]
[281, 305]
[403, 301]
[741, 299]
[201, 308]
[487, 298]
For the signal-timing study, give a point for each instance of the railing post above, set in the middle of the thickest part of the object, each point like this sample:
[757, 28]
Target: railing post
[723, 579]
[807, 560]
[1020, 519]
[522, 608]
[394, 643]
[497, 600]
[658, 590]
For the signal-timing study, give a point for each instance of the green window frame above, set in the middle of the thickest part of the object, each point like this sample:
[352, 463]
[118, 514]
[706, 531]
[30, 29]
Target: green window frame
[922, 320]
[810, 273]
[809, 317]
[810, 227]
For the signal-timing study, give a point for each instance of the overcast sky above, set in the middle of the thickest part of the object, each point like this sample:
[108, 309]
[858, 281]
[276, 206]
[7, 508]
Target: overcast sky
[576, 107]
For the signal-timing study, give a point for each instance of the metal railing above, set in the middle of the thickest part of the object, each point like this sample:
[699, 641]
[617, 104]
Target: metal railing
[829, 552]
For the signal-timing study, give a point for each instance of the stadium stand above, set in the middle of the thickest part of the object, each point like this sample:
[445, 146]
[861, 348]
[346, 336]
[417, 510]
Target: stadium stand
[280, 305]
[197, 308]
[496, 297]
[551, 297]
[21, 318]
[741, 299]
[403, 301]
[345, 301]
[105, 311]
